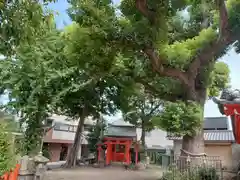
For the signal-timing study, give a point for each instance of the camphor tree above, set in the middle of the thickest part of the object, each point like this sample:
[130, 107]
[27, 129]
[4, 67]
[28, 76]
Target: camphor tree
[174, 58]
[87, 83]
[60, 73]
[25, 79]
[23, 23]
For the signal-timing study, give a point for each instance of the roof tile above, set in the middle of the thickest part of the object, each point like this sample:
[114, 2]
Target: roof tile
[212, 135]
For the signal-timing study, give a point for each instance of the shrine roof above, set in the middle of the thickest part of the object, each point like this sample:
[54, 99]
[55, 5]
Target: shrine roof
[116, 131]
[121, 122]
[225, 101]
[212, 135]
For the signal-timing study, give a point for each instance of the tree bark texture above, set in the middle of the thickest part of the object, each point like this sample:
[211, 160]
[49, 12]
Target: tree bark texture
[74, 152]
[193, 146]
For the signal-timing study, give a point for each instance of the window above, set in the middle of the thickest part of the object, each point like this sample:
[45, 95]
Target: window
[61, 127]
[57, 126]
[221, 128]
[71, 128]
[207, 129]
[87, 127]
[49, 122]
[64, 127]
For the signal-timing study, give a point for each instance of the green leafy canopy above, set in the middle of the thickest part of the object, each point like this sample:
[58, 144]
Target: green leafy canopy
[180, 118]
[100, 60]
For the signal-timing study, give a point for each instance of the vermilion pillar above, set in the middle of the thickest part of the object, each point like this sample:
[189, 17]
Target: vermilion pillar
[114, 152]
[136, 154]
[234, 110]
[108, 154]
[237, 128]
[127, 149]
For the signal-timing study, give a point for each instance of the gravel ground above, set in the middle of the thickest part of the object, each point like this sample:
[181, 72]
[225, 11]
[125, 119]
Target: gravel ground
[109, 173]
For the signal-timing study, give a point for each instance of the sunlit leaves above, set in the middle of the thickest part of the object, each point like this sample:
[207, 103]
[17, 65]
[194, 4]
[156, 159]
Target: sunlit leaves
[219, 79]
[180, 53]
[7, 151]
[140, 108]
[20, 21]
[180, 118]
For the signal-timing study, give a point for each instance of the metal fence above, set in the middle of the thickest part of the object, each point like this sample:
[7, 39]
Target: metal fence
[160, 159]
[188, 168]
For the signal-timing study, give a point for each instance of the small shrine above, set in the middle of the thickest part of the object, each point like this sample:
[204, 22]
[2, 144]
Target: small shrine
[229, 105]
[119, 144]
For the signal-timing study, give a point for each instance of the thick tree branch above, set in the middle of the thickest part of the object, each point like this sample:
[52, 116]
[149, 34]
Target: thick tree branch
[209, 53]
[157, 61]
[141, 5]
[151, 89]
[154, 109]
[157, 65]
[224, 28]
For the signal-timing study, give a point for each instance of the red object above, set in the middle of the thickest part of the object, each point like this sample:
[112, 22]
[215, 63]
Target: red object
[113, 144]
[234, 110]
[12, 175]
[5, 176]
[136, 153]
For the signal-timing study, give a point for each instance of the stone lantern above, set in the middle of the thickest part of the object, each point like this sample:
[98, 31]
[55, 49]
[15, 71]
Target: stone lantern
[40, 164]
[27, 168]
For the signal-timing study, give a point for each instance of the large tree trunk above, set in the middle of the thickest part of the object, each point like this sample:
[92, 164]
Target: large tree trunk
[193, 146]
[74, 152]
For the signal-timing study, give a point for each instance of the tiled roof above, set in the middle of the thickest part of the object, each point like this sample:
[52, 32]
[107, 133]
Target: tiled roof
[69, 121]
[121, 131]
[121, 122]
[216, 135]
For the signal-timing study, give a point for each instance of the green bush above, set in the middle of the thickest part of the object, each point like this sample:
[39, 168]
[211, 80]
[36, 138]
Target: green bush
[192, 174]
[208, 174]
[7, 152]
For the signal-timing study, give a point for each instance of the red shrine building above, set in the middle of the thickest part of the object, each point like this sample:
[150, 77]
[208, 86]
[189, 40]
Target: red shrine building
[119, 144]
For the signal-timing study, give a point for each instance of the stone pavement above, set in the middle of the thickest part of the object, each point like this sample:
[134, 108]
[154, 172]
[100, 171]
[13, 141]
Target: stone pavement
[109, 173]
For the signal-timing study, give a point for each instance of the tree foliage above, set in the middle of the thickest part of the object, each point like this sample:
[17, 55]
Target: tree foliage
[58, 74]
[180, 118]
[173, 56]
[21, 21]
[101, 59]
[140, 108]
[95, 134]
[7, 151]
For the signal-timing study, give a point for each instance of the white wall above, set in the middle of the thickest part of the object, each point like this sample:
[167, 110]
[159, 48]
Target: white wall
[63, 135]
[156, 137]
[177, 147]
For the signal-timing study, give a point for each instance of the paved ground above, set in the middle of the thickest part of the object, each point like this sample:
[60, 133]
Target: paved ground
[109, 173]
